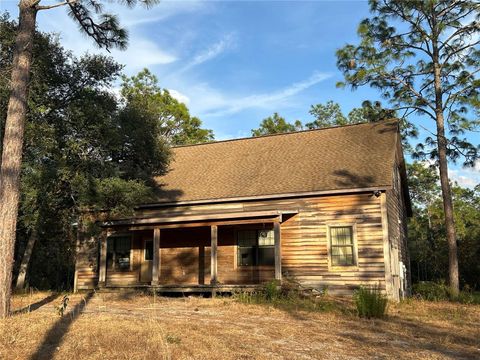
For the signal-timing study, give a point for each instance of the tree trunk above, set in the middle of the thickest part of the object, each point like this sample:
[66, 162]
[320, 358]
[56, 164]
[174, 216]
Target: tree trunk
[12, 148]
[22, 273]
[443, 167]
[447, 206]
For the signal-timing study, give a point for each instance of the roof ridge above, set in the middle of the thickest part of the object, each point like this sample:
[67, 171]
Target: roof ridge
[286, 133]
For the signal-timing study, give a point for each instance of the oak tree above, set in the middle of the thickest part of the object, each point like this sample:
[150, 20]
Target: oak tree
[106, 32]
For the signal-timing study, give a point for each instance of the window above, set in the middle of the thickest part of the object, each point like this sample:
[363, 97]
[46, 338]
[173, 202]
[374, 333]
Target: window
[256, 247]
[148, 254]
[342, 252]
[118, 252]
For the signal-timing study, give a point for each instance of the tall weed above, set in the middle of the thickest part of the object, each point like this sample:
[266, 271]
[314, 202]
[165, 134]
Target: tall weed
[370, 302]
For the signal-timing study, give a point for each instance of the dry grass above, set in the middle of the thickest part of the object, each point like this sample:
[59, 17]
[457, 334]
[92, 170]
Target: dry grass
[135, 326]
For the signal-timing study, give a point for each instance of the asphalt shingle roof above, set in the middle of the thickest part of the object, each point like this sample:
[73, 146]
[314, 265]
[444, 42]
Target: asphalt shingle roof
[337, 158]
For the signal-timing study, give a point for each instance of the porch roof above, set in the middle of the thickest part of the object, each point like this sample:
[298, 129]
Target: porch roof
[199, 219]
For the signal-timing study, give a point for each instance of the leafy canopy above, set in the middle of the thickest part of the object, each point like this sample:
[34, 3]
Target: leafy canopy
[276, 124]
[141, 93]
[330, 114]
[427, 233]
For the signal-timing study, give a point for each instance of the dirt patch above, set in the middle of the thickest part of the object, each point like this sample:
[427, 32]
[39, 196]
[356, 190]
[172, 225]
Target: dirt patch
[135, 326]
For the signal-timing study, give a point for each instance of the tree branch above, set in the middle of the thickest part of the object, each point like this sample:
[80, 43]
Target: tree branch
[48, 7]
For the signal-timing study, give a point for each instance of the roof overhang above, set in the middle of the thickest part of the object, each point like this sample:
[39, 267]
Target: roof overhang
[265, 197]
[202, 220]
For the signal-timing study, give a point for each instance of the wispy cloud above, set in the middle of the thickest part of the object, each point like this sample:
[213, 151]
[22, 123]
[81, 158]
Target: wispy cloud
[138, 16]
[229, 106]
[227, 42]
[467, 177]
[179, 96]
[143, 53]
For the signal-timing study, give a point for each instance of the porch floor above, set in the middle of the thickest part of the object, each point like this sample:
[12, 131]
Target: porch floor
[220, 288]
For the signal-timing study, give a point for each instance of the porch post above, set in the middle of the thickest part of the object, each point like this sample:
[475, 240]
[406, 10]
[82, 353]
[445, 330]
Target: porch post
[156, 256]
[102, 270]
[213, 254]
[278, 250]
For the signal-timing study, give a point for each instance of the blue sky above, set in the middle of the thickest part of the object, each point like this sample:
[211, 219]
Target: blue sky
[236, 62]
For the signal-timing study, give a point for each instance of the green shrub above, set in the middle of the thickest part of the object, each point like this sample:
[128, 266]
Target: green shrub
[272, 290]
[370, 302]
[440, 291]
[432, 291]
[288, 295]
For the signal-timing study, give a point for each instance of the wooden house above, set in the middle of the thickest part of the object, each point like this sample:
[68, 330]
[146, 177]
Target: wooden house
[325, 207]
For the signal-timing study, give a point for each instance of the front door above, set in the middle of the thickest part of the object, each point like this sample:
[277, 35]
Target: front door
[147, 261]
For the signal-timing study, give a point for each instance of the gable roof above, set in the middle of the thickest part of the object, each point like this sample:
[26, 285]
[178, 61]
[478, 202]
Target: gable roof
[329, 159]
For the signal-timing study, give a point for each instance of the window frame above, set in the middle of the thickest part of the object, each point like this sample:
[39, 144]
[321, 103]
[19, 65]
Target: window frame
[332, 267]
[256, 248]
[114, 267]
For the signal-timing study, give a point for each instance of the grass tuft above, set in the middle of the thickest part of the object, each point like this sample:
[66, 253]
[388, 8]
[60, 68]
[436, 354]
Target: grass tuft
[370, 302]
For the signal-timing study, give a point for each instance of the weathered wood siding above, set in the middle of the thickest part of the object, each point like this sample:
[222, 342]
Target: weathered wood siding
[397, 228]
[86, 262]
[185, 254]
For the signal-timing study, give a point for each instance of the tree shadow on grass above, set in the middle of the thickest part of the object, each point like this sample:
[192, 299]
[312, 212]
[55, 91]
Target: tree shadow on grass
[413, 335]
[54, 337]
[35, 306]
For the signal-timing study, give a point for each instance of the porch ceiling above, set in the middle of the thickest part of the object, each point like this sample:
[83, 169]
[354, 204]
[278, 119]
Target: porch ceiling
[207, 218]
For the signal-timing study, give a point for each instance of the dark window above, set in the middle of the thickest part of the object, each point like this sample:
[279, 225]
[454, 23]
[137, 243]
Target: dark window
[341, 246]
[148, 250]
[118, 252]
[256, 247]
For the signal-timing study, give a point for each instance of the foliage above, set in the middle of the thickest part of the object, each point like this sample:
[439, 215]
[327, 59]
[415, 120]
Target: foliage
[276, 124]
[427, 233]
[330, 114]
[432, 291]
[102, 27]
[423, 56]
[326, 115]
[175, 125]
[370, 302]
[439, 291]
[400, 48]
[84, 148]
[287, 295]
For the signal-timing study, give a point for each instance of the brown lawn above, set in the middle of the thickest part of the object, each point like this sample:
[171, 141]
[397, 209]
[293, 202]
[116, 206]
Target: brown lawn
[136, 326]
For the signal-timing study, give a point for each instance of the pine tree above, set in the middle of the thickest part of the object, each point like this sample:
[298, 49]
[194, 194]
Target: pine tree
[423, 56]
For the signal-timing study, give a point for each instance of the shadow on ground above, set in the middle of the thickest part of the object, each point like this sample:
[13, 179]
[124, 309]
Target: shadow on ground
[37, 305]
[56, 334]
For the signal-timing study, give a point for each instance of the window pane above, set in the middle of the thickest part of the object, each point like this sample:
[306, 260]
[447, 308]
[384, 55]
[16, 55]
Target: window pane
[118, 250]
[266, 255]
[341, 246]
[265, 238]
[342, 260]
[246, 256]
[122, 244]
[247, 238]
[148, 250]
[341, 235]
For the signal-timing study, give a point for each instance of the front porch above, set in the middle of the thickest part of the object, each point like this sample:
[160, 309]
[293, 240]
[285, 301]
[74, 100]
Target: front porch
[209, 253]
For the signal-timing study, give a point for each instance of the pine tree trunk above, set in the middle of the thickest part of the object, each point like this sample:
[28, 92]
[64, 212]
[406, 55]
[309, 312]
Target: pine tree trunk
[22, 273]
[444, 182]
[12, 148]
[447, 206]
